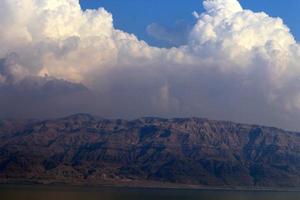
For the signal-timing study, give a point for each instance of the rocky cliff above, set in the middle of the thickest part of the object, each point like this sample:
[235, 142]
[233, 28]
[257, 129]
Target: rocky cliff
[193, 151]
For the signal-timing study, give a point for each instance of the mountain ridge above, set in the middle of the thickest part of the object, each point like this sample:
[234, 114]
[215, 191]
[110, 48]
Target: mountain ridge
[83, 148]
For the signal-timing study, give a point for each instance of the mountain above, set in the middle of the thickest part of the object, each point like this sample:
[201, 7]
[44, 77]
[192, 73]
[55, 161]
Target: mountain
[82, 149]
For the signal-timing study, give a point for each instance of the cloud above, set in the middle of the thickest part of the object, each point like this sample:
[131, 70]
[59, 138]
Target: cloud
[11, 71]
[235, 65]
[176, 35]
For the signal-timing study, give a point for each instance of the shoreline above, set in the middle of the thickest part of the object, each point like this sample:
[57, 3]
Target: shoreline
[55, 184]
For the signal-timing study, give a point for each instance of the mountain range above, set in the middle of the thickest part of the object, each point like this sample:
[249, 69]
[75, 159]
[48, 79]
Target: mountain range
[85, 149]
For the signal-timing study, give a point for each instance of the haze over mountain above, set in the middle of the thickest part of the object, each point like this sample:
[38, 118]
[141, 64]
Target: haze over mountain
[233, 64]
[84, 149]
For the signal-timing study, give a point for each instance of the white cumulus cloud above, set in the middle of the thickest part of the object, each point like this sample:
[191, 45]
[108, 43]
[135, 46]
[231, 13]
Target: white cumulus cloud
[236, 64]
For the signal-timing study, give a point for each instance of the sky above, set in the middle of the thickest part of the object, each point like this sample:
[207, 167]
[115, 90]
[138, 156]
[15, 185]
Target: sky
[134, 16]
[219, 59]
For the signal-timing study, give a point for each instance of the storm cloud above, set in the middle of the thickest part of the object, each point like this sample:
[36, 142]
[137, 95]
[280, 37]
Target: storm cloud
[236, 65]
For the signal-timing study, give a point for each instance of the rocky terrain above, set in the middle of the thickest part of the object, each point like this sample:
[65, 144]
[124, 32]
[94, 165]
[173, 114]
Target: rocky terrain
[192, 151]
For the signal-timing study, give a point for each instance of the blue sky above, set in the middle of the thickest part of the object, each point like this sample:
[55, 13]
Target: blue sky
[134, 16]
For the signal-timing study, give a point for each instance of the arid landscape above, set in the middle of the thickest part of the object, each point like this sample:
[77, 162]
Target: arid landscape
[143, 100]
[82, 149]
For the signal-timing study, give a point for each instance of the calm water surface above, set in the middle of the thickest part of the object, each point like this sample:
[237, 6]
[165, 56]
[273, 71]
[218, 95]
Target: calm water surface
[68, 193]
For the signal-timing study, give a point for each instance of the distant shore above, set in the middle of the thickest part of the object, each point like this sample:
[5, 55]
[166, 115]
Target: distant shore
[135, 185]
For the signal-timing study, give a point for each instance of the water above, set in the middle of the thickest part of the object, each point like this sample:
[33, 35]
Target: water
[75, 193]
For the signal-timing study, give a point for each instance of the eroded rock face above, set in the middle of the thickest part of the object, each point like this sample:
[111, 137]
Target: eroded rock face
[189, 151]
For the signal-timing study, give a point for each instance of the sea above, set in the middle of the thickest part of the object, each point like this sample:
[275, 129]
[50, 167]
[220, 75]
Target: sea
[12, 192]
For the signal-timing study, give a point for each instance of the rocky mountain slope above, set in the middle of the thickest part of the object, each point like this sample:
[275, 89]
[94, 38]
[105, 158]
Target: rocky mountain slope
[87, 149]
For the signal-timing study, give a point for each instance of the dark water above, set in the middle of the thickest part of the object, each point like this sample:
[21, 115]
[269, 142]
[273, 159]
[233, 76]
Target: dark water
[68, 193]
